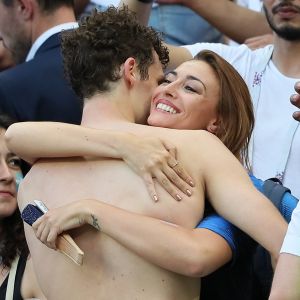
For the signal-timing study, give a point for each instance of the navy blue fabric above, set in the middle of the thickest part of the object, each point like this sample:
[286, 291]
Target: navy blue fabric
[37, 90]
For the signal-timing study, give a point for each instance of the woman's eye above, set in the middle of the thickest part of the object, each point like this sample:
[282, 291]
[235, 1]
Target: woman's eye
[189, 88]
[14, 162]
[164, 81]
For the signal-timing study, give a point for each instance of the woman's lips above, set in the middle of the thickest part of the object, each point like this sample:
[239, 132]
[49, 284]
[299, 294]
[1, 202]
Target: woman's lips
[6, 194]
[162, 104]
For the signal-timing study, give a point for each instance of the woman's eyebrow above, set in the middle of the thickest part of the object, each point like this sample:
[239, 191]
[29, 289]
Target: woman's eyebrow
[188, 77]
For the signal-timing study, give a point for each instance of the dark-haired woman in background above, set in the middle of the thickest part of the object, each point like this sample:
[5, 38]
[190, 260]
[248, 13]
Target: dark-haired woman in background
[17, 278]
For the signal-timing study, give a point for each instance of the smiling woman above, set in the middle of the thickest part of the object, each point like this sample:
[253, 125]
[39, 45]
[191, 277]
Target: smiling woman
[206, 93]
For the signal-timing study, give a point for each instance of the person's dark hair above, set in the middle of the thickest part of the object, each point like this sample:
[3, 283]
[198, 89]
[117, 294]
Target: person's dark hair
[94, 53]
[234, 109]
[12, 236]
[46, 5]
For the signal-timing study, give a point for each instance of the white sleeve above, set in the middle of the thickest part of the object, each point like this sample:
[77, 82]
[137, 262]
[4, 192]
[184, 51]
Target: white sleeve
[226, 51]
[241, 57]
[291, 243]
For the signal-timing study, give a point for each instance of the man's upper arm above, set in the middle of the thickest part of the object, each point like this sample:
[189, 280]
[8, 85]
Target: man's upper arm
[178, 55]
[141, 9]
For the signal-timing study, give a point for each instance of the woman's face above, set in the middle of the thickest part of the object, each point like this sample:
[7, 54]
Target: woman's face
[187, 98]
[9, 167]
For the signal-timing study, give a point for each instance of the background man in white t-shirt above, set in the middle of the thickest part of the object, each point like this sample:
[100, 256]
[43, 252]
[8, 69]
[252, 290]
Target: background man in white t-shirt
[286, 283]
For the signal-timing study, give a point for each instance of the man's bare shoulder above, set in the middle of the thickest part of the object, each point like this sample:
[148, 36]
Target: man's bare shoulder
[196, 138]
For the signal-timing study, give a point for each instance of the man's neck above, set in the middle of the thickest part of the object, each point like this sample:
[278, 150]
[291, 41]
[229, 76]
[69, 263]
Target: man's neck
[44, 22]
[286, 57]
[102, 111]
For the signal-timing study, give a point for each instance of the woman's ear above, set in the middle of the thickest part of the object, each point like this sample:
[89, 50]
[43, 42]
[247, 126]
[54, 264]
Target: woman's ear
[213, 126]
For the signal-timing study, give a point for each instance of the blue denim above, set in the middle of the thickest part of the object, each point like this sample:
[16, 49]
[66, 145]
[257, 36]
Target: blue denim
[179, 24]
[90, 7]
[182, 26]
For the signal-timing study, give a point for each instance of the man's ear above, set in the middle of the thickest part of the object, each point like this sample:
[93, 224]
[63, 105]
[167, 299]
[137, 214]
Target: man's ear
[213, 126]
[130, 71]
[26, 8]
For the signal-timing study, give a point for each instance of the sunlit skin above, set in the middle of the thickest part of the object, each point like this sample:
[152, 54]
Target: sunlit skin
[9, 167]
[186, 98]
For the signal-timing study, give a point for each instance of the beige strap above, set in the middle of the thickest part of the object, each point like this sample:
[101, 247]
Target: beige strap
[11, 279]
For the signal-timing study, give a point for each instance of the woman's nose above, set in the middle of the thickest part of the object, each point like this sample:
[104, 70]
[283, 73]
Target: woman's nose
[171, 89]
[5, 172]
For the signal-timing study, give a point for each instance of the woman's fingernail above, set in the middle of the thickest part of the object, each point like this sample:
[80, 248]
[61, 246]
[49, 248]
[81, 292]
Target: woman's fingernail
[178, 197]
[189, 192]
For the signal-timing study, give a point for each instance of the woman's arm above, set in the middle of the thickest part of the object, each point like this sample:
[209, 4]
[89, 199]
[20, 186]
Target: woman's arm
[234, 197]
[191, 252]
[148, 157]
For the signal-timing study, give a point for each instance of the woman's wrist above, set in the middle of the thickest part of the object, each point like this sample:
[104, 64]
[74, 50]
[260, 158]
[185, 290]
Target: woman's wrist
[89, 216]
[125, 144]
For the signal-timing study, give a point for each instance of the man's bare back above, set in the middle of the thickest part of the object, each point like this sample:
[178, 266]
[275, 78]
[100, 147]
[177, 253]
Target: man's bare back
[109, 270]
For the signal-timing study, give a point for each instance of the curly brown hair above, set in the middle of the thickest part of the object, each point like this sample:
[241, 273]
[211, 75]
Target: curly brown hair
[94, 53]
[12, 236]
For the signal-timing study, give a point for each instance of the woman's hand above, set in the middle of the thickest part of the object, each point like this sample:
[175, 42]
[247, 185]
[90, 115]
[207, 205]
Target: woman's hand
[153, 158]
[48, 227]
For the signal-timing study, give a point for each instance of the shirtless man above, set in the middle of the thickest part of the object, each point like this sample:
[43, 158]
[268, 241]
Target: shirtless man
[116, 97]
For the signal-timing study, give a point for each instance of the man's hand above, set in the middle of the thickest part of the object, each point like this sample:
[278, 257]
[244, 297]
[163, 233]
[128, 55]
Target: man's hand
[152, 158]
[259, 41]
[295, 99]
